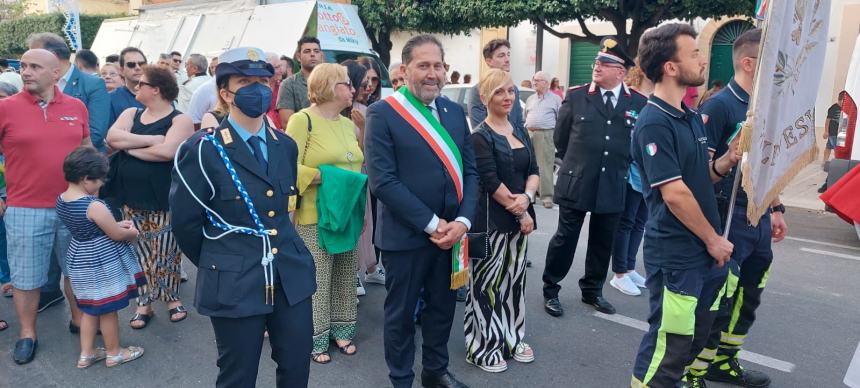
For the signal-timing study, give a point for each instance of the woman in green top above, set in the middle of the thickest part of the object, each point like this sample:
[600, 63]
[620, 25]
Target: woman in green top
[324, 137]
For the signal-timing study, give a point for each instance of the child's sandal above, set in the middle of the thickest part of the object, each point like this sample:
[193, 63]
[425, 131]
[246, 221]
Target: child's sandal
[88, 361]
[131, 353]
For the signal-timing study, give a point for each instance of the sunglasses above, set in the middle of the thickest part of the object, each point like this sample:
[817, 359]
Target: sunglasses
[139, 83]
[132, 65]
[177, 60]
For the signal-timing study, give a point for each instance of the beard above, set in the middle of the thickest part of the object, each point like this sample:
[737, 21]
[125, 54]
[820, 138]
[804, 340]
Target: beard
[424, 93]
[694, 79]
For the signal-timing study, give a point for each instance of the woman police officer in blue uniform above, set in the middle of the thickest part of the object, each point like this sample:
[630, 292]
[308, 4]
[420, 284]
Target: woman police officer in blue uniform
[233, 188]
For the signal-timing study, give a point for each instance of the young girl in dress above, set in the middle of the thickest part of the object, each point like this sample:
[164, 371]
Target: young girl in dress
[102, 267]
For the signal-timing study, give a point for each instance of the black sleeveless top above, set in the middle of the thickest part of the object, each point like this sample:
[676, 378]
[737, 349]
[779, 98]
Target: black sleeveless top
[141, 184]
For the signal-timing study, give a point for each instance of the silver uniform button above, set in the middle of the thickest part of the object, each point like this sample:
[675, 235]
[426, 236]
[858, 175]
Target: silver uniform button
[606, 152]
[213, 266]
[609, 122]
[607, 137]
[603, 169]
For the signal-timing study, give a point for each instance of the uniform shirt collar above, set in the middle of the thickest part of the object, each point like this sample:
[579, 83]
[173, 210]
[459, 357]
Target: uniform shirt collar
[616, 91]
[244, 134]
[68, 74]
[668, 108]
[739, 92]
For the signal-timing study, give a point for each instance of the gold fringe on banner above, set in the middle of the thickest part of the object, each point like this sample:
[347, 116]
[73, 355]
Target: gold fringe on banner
[459, 279]
[754, 212]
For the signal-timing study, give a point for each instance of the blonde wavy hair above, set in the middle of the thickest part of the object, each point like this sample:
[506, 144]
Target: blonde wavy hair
[322, 81]
[494, 80]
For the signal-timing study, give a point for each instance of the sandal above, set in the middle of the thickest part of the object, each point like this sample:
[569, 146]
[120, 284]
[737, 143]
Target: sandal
[177, 310]
[88, 361]
[6, 290]
[524, 353]
[345, 348]
[315, 357]
[131, 353]
[142, 318]
[3, 325]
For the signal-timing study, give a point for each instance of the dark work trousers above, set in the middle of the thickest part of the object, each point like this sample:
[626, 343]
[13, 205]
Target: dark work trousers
[406, 273]
[559, 254]
[684, 303]
[631, 228]
[240, 341]
[748, 274]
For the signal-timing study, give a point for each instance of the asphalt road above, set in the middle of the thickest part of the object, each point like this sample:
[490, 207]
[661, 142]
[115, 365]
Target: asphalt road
[806, 334]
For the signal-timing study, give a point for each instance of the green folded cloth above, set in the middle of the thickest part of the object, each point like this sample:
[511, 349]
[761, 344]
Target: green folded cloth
[340, 207]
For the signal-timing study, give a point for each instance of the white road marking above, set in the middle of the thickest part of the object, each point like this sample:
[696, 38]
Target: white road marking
[828, 253]
[852, 377]
[746, 355]
[822, 243]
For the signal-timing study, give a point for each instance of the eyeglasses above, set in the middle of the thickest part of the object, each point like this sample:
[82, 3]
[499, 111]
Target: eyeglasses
[177, 60]
[602, 65]
[132, 65]
[345, 83]
[139, 83]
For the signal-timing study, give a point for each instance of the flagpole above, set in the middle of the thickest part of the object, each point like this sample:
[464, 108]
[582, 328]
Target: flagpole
[733, 198]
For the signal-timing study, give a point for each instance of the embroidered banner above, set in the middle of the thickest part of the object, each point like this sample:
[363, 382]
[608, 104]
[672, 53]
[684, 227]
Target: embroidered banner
[782, 138]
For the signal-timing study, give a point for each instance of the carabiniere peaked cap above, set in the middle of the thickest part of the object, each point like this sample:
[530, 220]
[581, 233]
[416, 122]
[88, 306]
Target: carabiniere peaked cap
[611, 52]
[249, 61]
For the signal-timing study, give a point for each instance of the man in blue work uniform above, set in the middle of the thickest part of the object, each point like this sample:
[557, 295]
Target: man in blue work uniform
[684, 253]
[748, 269]
[263, 275]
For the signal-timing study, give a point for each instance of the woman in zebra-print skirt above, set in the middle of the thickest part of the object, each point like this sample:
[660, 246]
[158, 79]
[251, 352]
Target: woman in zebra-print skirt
[495, 307]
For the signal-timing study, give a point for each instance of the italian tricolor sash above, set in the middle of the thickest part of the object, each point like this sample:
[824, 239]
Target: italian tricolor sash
[422, 121]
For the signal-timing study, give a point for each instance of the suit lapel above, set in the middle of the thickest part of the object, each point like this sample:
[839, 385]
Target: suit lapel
[72, 83]
[622, 104]
[276, 152]
[597, 100]
[240, 154]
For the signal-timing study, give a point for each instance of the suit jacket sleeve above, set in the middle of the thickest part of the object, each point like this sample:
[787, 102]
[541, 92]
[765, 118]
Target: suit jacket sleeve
[517, 117]
[98, 104]
[187, 216]
[469, 205]
[477, 110]
[562, 128]
[381, 161]
[485, 163]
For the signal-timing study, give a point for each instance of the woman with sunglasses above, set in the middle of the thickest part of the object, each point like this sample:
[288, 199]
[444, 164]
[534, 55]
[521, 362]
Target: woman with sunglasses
[139, 181]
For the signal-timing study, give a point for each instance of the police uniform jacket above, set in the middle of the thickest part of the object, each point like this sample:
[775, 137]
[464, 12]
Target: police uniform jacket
[594, 146]
[230, 278]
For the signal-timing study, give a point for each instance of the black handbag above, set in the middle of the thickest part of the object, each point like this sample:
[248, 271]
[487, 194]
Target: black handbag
[479, 243]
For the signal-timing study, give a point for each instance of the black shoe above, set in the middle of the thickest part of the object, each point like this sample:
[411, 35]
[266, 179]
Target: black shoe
[446, 380]
[49, 299]
[25, 350]
[822, 188]
[74, 329]
[553, 307]
[732, 372]
[600, 304]
[691, 381]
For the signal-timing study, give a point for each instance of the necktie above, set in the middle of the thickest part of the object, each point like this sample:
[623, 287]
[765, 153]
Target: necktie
[609, 107]
[254, 141]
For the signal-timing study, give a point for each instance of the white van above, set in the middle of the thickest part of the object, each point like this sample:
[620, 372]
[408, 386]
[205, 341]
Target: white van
[210, 28]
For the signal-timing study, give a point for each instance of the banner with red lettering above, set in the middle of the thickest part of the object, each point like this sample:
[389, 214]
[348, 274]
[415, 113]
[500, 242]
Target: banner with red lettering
[782, 139]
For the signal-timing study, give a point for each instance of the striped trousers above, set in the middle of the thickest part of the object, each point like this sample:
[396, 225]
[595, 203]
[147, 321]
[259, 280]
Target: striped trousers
[495, 308]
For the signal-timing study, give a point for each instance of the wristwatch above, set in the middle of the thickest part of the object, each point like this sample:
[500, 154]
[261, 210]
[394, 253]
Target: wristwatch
[778, 208]
[531, 197]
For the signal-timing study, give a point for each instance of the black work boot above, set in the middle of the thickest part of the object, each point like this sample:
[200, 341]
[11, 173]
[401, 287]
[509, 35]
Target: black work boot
[692, 381]
[731, 372]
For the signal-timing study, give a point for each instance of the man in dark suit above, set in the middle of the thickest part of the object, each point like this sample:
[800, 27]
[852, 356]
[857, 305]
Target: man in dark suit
[241, 296]
[424, 209]
[592, 137]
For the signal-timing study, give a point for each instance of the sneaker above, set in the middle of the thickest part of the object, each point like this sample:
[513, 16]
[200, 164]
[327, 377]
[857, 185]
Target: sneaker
[625, 285]
[732, 372]
[377, 276]
[359, 289]
[691, 381]
[637, 279]
[49, 300]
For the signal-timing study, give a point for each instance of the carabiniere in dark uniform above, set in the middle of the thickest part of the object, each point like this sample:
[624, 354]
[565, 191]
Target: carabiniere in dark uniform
[593, 141]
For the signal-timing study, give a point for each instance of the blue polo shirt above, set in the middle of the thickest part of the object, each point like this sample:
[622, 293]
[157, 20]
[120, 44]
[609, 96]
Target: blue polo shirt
[726, 111]
[670, 144]
[120, 100]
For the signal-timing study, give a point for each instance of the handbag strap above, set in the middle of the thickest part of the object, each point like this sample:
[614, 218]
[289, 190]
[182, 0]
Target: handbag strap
[308, 141]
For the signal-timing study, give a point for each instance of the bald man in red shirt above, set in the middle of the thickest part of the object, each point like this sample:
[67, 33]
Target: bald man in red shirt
[38, 127]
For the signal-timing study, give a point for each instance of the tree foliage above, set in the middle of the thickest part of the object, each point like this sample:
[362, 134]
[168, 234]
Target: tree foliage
[11, 9]
[14, 33]
[382, 17]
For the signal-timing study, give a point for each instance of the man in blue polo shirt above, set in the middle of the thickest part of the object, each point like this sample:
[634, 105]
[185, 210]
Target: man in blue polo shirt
[131, 61]
[748, 269]
[684, 253]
